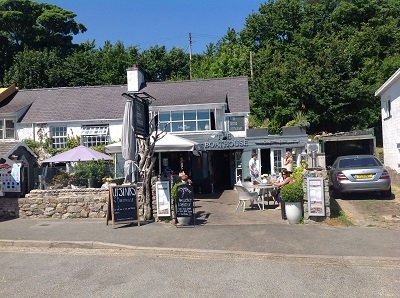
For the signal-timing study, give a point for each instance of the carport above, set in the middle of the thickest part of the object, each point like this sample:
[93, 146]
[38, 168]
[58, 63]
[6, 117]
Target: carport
[347, 143]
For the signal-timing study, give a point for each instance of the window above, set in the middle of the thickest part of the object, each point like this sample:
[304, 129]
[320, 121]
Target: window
[388, 109]
[59, 136]
[95, 135]
[189, 120]
[7, 129]
[277, 160]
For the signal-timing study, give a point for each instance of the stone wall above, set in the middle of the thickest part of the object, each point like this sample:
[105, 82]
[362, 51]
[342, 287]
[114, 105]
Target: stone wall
[64, 203]
[317, 173]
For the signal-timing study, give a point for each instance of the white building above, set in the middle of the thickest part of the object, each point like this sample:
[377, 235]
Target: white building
[211, 112]
[389, 93]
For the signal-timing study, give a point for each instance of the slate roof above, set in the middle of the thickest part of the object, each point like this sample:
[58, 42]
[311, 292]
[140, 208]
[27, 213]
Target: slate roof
[14, 103]
[234, 90]
[106, 102]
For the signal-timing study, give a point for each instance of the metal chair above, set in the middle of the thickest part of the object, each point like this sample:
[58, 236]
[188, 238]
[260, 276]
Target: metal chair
[246, 196]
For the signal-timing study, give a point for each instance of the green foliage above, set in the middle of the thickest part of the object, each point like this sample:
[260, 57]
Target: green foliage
[292, 192]
[298, 173]
[299, 119]
[62, 179]
[174, 190]
[94, 170]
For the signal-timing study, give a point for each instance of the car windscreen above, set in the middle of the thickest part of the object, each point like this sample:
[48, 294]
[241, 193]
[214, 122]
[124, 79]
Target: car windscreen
[359, 162]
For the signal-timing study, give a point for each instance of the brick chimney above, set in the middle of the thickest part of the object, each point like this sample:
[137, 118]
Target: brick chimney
[135, 78]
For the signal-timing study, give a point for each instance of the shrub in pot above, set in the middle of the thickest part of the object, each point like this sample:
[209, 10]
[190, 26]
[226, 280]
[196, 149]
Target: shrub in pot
[292, 194]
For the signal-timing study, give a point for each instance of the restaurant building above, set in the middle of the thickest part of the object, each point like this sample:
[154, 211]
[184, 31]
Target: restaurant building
[213, 113]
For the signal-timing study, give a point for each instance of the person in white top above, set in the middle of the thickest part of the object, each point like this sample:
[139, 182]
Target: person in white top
[254, 173]
[288, 161]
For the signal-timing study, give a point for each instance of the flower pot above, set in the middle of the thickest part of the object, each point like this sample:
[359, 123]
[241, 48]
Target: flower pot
[184, 220]
[293, 212]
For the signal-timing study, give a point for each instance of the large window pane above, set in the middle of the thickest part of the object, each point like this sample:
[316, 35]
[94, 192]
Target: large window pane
[203, 125]
[164, 117]
[190, 115]
[190, 125]
[176, 116]
[203, 114]
[177, 126]
[165, 126]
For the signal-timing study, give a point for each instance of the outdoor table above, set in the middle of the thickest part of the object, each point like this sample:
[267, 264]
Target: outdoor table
[265, 190]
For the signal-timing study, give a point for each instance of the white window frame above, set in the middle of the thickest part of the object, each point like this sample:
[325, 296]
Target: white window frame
[4, 130]
[58, 136]
[95, 135]
[169, 124]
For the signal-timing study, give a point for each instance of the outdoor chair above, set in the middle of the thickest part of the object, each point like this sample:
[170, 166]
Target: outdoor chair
[246, 196]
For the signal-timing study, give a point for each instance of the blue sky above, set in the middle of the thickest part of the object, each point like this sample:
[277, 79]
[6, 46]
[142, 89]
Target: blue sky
[146, 23]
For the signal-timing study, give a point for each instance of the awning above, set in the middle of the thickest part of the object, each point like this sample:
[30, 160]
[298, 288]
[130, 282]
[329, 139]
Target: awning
[169, 143]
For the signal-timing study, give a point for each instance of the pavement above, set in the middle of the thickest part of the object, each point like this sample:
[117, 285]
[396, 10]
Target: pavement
[219, 229]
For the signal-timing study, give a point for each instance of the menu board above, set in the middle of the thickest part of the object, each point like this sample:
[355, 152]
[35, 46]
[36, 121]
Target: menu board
[315, 195]
[122, 204]
[163, 198]
[184, 201]
[10, 175]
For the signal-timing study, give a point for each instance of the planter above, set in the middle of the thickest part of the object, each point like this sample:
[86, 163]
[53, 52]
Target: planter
[293, 212]
[184, 220]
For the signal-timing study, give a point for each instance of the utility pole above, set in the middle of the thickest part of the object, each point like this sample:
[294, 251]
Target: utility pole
[190, 55]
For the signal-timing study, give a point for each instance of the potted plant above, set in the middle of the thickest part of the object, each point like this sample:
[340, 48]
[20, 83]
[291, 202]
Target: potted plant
[174, 196]
[292, 194]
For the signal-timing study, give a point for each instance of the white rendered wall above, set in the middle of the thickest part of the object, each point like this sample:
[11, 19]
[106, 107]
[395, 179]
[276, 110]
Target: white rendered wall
[391, 127]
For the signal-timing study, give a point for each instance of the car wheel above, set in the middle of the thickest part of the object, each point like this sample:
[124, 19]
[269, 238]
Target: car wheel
[387, 193]
[336, 193]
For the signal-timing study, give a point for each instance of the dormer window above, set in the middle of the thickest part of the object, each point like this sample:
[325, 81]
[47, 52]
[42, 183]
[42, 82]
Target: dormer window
[188, 120]
[7, 129]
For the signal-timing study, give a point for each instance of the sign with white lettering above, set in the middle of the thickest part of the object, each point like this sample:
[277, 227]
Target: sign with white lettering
[10, 175]
[122, 204]
[225, 141]
[236, 123]
[315, 196]
[184, 201]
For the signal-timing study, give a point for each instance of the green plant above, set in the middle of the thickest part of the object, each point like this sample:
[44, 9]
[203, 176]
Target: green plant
[298, 173]
[62, 178]
[248, 178]
[299, 119]
[94, 170]
[174, 190]
[292, 192]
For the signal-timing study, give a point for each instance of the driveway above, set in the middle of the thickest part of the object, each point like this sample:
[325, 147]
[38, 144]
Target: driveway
[370, 210]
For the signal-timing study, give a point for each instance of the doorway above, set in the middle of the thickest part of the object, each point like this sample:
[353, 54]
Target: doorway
[265, 161]
[222, 168]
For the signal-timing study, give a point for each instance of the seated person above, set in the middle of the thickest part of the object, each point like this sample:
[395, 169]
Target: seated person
[286, 180]
[185, 178]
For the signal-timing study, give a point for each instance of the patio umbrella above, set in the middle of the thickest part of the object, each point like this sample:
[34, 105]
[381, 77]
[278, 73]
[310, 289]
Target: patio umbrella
[80, 153]
[128, 143]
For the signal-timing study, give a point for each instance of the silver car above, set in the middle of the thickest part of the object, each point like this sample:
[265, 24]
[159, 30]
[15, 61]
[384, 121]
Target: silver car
[359, 173]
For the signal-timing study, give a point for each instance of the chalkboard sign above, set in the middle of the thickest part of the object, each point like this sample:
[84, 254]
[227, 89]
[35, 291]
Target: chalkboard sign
[122, 204]
[184, 201]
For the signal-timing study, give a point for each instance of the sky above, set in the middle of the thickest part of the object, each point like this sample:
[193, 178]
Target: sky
[146, 23]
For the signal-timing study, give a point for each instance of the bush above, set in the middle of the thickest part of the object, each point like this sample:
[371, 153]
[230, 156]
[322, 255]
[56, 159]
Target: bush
[94, 170]
[174, 190]
[292, 192]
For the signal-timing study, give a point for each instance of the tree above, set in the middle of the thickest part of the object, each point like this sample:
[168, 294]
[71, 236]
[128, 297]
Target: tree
[29, 25]
[35, 69]
[146, 164]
